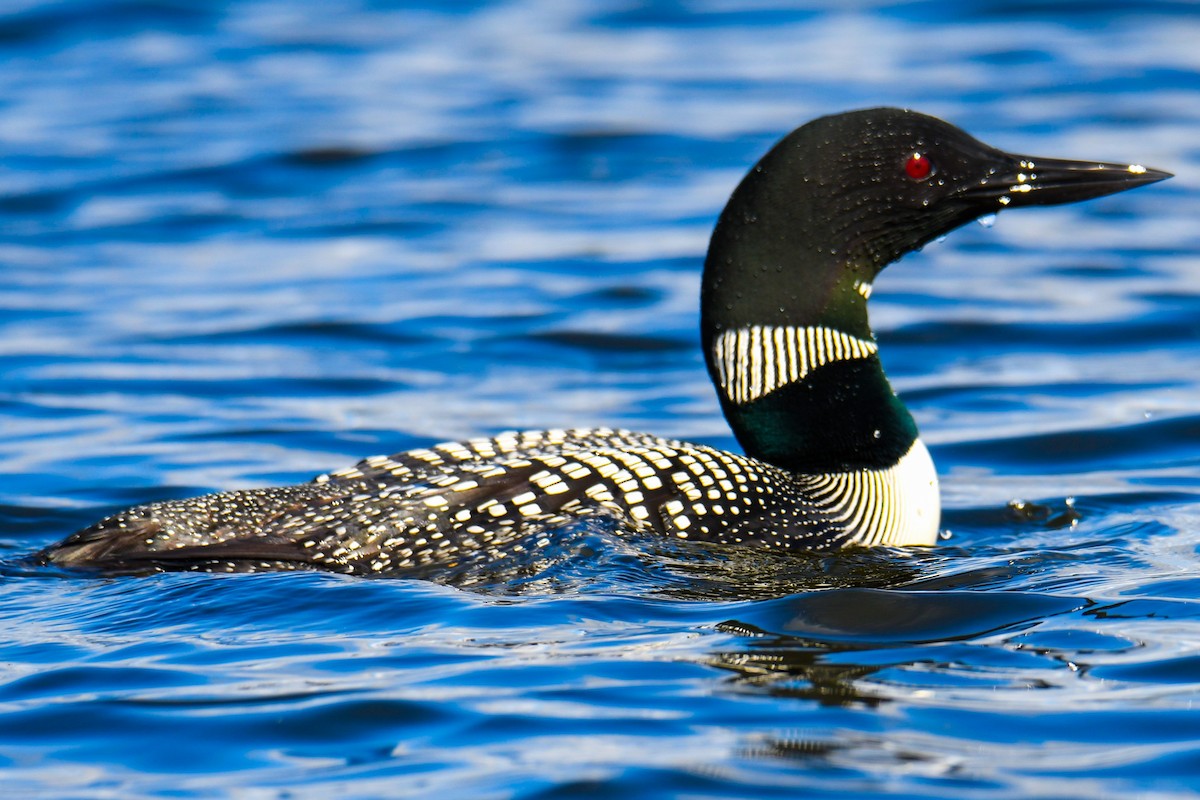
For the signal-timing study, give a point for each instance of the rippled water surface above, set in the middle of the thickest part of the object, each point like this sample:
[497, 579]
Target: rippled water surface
[247, 242]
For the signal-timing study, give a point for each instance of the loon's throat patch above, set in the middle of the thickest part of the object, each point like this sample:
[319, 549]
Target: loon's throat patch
[754, 361]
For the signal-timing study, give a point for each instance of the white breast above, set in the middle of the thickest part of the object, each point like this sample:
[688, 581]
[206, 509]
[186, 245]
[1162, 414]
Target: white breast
[898, 505]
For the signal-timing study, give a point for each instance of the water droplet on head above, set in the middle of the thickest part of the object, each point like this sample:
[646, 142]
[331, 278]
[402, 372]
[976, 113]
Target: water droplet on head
[987, 220]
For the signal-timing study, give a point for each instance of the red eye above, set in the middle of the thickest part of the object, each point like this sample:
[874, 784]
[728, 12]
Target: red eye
[918, 167]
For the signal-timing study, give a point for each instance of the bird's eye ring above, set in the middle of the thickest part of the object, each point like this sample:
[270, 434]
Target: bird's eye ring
[918, 167]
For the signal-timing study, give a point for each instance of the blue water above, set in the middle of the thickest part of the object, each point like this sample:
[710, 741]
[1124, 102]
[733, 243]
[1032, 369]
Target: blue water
[244, 243]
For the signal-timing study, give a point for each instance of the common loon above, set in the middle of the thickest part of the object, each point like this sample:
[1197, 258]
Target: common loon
[831, 458]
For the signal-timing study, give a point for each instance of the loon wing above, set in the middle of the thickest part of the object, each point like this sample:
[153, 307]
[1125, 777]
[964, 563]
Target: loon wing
[475, 500]
[468, 509]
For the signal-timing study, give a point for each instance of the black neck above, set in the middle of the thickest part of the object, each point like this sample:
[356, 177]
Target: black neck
[770, 264]
[844, 416]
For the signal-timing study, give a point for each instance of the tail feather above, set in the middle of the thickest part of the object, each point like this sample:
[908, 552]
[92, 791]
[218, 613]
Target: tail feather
[121, 547]
[230, 527]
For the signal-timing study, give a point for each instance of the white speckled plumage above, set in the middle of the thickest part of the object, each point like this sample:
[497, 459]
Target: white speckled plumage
[496, 496]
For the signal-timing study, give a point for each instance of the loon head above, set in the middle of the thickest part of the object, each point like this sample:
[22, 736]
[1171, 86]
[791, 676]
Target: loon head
[843, 196]
[795, 252]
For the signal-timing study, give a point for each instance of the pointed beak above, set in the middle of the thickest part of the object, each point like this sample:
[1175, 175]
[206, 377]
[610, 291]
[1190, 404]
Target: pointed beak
[1027, 181]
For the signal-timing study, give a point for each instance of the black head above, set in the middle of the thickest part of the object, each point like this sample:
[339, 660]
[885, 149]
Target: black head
[907, 178]
[838, 199]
